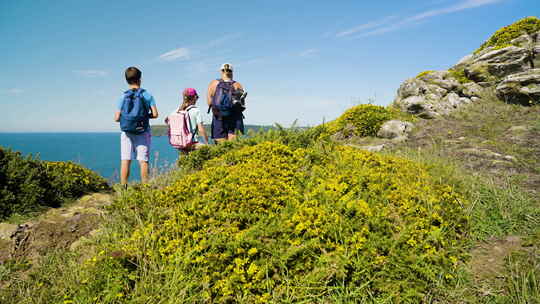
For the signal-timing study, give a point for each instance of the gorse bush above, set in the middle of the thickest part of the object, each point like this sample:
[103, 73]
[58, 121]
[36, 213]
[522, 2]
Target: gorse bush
[69, 180]
[23, 186]
[271, 223]
[28, 184]
[503, 37]
[293, 137]
[362, 120]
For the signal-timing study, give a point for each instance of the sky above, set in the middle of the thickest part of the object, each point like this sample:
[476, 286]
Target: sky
[62, 62]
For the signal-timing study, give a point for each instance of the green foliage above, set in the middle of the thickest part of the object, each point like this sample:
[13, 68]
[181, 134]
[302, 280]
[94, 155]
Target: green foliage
[362, 120]
[503, 37]
[23, 186]
[272, 223]
[28, 184]
[69, 180]
[424, 73]
[459, 75]
[294, 137]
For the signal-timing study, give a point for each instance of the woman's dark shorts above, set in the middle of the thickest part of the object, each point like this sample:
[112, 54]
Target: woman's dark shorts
[222, 127]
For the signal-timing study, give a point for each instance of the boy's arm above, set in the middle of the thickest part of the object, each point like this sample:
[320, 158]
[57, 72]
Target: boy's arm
[154, 112]
[118, 109]
[211, 91]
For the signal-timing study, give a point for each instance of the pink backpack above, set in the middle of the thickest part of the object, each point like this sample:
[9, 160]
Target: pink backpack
[180, 135]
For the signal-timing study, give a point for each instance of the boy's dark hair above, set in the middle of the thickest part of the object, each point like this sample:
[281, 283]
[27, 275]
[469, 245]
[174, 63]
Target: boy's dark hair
[133, 75]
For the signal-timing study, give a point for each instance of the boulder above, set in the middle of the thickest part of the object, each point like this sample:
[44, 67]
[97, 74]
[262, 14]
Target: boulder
[498, 64]
[521, 88]
[395, 129]
[432, 94]
[7, 230]
[472, 89]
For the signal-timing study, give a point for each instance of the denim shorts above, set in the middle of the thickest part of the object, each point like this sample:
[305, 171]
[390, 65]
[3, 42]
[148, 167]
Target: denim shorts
[135, 146]
[222, 127]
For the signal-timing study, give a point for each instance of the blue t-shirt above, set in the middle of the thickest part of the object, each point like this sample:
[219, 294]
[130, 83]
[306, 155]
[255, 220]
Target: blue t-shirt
[147, 98]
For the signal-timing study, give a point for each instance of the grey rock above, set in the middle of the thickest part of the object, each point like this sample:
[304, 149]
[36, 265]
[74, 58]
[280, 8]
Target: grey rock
[465, 59]
[7, 230]
[481, 153]
[498, 64]
[395, 129]
[521, 88]
[510, 158]
[376, 148]
[518, 129]
[431, 95]
[471, 89]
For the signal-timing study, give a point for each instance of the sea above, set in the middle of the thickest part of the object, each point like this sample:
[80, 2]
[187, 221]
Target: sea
[99, 152]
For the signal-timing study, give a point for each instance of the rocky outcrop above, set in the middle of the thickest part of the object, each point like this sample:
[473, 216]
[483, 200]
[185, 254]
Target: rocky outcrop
[512, 68]
[521, 88]
[497, 64]
[435, 93]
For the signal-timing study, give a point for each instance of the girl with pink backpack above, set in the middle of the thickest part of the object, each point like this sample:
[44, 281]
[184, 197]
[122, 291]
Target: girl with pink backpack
[186, 124]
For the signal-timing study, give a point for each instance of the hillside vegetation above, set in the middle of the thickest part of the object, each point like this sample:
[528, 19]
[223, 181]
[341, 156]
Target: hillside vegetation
[28, 184]
[449, 215]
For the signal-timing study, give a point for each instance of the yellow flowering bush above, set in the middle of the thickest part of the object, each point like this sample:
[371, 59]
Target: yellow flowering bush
[271, 223]
[503, 37]
[69, 180]
[362, 120]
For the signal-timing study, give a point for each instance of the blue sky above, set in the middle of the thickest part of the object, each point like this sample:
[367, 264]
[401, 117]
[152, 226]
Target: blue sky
[62, 62]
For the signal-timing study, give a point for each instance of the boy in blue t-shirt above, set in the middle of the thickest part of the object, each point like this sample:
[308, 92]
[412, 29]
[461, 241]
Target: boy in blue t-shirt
[135, 146]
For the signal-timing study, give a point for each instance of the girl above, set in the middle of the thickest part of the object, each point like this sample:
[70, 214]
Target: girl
[189, 99]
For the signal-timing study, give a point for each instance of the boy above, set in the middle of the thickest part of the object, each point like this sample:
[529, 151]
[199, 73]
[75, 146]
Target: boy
[136, 145]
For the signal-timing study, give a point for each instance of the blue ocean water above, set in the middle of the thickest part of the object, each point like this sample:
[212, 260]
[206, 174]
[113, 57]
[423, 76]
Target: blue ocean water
[97, 151]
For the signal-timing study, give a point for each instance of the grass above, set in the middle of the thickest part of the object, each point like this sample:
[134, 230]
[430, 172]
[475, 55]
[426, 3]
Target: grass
[497, 207]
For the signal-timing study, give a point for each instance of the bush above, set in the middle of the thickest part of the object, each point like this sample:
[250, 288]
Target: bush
[69, 180]
[505, 35]
[28, 184]
[23, 186]
[270, 223]
[293, 137]
[361, 120]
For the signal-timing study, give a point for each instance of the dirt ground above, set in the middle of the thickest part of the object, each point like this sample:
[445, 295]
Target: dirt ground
[56, 229]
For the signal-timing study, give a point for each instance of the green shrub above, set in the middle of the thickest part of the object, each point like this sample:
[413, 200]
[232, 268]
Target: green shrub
[505, 35]
[424, 73]
[293, 137]
[28, 184]
[70, 180]
[271, 223]
[362, 120]
[23, 186]
[459, 75]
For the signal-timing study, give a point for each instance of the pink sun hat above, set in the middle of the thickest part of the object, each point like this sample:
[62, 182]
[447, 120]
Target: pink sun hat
[190, 92]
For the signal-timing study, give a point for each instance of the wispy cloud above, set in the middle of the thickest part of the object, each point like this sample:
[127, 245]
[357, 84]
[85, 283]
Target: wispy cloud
[91, 73]
[308, 53]
[13, 91]
[179, 53]
[386, 24]
[366, 26]
[467, 4]
[222, 40]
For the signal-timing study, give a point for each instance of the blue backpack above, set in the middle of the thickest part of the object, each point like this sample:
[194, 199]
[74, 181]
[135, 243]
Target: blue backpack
[134, 116]
[222, 103]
